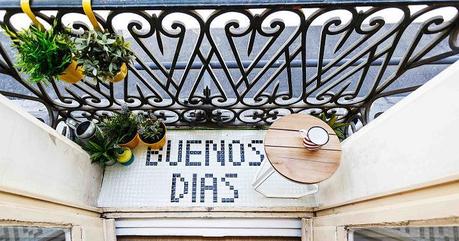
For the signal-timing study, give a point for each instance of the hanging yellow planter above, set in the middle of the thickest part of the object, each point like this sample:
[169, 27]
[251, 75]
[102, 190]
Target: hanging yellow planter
[121, 75]
[87, 9]
[72, 74]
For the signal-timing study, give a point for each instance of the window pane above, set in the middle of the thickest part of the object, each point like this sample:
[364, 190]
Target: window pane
[447, 233]
[9, 233]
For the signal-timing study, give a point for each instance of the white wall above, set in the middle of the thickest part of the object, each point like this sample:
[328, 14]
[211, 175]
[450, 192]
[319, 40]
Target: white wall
[413, 144]
[23, 211]
[37, 161]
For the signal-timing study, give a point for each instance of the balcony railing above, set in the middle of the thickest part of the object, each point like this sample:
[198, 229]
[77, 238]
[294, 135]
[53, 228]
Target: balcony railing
[233, 63]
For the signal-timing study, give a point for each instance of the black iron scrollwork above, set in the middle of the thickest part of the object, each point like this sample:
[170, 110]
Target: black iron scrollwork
[238, 66]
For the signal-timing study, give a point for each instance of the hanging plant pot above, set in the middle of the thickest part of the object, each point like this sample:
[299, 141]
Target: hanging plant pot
[158, 142]
[121, 75]
[104, 56]
[132, 143]
[44, 54]
[72, 74]
[125, 156]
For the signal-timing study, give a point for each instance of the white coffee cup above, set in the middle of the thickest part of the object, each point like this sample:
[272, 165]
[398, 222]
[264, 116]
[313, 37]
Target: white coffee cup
[314, 138]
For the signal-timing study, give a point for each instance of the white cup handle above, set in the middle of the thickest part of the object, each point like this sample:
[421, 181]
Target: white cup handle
[303, 133]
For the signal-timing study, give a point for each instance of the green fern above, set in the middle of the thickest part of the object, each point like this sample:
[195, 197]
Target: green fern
[42, 54]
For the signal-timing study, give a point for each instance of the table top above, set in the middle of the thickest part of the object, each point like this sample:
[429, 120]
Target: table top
[285, 150]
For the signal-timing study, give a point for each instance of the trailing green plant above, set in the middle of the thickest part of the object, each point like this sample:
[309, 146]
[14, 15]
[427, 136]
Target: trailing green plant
[102, 149]
[42, 54]
[151, 129]
[338, 127]
[122, 125]
[101, 54]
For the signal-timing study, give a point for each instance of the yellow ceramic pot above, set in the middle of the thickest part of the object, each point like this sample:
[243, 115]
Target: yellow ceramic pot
[121, 75]
[132, 143]
[158, 144]
[126, 157]
[72, 74]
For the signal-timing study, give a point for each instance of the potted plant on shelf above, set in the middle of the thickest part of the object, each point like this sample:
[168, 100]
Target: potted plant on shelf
[45, 54]
[102, 149]
[152, 132]
[122, 126]
[103, 56]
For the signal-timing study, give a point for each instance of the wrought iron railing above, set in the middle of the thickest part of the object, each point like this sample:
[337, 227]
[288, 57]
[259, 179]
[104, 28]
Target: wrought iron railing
[235, 63]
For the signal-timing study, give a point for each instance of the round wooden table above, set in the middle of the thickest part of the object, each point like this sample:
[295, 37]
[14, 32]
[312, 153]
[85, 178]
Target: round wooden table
[285, 150]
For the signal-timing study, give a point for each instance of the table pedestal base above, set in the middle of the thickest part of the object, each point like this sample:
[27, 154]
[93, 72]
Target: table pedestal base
[278, 186]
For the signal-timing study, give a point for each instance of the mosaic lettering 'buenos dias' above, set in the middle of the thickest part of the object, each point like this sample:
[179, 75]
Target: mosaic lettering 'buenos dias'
[205, 168]
[196, 153]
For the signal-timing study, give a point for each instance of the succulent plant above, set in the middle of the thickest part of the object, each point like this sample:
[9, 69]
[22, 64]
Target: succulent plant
[151, 129]
[101, 54]
[42, 54]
